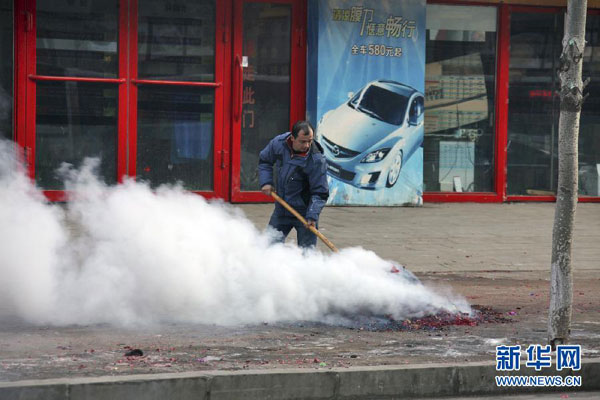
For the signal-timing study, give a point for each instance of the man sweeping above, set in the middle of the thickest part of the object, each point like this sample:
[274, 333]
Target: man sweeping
[301, 180]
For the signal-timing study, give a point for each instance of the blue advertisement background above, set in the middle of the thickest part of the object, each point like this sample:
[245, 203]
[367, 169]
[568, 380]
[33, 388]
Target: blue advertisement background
[334, 71]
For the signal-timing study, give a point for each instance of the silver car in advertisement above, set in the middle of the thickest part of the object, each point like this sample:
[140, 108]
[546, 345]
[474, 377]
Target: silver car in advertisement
[368, 139]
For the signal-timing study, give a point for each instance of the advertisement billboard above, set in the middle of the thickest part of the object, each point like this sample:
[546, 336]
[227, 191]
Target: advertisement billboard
[365, 86]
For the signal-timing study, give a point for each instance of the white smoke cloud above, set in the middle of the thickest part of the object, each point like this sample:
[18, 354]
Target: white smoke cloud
[129, 255]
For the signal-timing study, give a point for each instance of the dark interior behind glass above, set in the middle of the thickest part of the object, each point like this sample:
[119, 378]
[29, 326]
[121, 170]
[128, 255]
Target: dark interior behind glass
[6, 69]
[176, 40]
[534, 106]
[175, 136]
[266, 86]
[75, 120]
[80, 40]
[589, 132]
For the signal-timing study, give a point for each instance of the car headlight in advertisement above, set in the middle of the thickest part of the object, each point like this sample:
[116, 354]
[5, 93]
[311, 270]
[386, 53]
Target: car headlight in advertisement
[375, 156]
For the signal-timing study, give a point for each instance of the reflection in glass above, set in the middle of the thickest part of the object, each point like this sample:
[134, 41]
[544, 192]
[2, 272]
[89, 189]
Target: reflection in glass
[175, 136]
[266, 89]
[459, 98]
[75, 120]
[589, 133]
[6, 69]
[176, 40]
[77, 38]
[533, 108]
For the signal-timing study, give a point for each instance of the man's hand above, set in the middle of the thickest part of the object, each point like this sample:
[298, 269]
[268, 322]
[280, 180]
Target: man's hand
[312, 223]
[267, 189]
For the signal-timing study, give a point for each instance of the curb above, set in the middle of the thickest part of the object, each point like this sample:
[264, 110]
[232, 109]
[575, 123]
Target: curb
[424, 380]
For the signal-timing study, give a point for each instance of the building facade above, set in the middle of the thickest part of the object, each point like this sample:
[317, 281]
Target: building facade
[171, 91]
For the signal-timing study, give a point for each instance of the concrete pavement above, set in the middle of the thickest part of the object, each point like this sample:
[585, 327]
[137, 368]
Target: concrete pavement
[456, 237]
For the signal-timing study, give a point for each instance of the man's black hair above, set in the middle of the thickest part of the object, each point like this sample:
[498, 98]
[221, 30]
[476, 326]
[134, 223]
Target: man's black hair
[301, 126]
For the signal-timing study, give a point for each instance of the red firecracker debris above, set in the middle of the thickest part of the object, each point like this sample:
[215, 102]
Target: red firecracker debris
[431, 322]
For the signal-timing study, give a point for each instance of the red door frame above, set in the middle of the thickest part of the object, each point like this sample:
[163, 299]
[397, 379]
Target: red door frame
[25, 88]
[297, 87]
[27, 77]
[501, 109]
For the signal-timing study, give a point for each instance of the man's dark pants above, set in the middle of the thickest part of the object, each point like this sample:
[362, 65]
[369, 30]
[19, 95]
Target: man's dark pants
[285, 224]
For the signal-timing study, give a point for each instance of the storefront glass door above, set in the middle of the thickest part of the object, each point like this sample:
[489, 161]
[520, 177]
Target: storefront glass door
[176, 89]
[268, 84]
[533, 110]
[138, 85]
[589, 131]
[460, 92]
[534, 106]
[76, 88]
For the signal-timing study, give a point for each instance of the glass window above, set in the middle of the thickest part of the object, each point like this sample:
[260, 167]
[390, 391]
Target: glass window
[175, 136]
[77, 38]
[266, 88]
[176, 40]
[589, 133]
[460, 78]
[533, 109]
[6, 69]
[75, 120]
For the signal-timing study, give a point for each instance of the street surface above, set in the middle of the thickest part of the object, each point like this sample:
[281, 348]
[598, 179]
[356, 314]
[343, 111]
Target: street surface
[496, 255]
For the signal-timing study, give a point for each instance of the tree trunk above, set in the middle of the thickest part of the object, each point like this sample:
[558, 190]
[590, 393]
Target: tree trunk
[571, 100]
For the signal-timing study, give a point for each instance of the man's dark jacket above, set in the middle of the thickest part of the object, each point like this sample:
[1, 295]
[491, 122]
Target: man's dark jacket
[301, 180]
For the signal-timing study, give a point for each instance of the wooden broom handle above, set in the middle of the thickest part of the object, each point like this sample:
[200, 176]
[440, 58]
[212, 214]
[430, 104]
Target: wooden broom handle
[301, 218]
